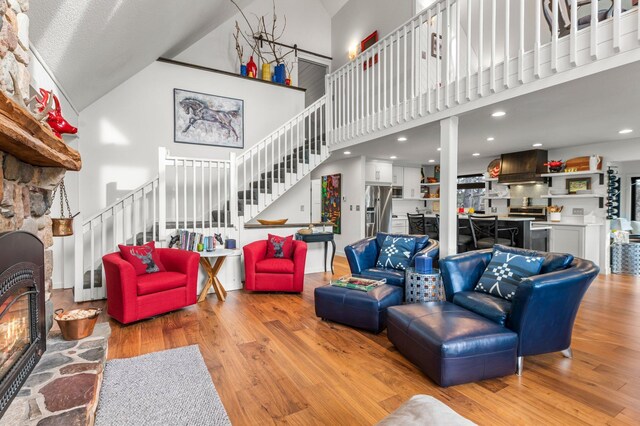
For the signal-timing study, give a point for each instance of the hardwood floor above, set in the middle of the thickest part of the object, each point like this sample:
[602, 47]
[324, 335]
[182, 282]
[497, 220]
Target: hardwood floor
[273, 361]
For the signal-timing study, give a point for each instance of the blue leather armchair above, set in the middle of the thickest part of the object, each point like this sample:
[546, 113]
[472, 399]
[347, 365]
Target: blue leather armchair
[362, 257]
[544, 307]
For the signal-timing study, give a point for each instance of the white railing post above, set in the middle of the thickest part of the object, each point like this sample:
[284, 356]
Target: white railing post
[162, 194]
[78, 273]
[329, 106]
[233, 197]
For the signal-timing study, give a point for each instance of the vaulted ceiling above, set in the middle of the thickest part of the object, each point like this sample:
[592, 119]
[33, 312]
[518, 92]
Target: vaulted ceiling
[92, 46]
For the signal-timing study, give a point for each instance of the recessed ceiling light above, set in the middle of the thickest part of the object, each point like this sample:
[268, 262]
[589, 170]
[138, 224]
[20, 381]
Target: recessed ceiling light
[499, 114]
[432, 161]
[536, 145]
[439, 149]
[625, 131]
[491, 139]
[393, 157]
[402, 139]
[347, 152]
[476, 154]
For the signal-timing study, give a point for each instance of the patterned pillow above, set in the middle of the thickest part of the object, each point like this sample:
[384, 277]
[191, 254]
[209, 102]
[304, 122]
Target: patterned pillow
[279, 247]
[505, 272]
[145, 259]
[396, 252]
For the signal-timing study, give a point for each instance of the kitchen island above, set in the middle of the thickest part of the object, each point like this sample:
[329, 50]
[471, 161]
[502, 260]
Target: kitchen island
[523, 234]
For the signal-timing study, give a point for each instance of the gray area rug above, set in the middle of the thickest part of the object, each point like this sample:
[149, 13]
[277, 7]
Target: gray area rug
[170, 387]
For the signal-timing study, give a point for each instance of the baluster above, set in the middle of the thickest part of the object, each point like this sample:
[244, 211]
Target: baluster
[218, 193]
[134, 224]
[507, 53]
[405, 74]
[378, 92]
[429, 47]
[456, 96]
[412, 72]
[194, 222]
[114, 227]
[536, 45]
[492, 69]
[398, 78]
[92, 264]
[154, 189]
[144, 217]
[227, 172]
[202, 196]
[594, 30]
[251, 186]
[438, 39]
[573, 33]
[210, 193]
[481, 47]
[184, 192]
[340, 107]
[366, 75]
[447, 59]
[391, 79]
[103, 237]
[554, 37]
[468, 79]
[521, 46]
[617, 11]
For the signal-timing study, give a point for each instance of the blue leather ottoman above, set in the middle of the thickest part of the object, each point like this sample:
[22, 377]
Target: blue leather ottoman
[361, 309]
[451, 344]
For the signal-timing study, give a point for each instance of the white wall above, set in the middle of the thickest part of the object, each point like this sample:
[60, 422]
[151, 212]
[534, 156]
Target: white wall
[359, 18]
[308, 26]
[124, 129]
[62, 247]
[353, 186]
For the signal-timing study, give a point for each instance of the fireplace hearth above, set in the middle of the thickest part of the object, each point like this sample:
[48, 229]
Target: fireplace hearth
[22, 311]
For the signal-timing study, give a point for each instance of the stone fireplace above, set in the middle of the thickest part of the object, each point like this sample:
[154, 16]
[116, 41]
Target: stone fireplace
[33, 161]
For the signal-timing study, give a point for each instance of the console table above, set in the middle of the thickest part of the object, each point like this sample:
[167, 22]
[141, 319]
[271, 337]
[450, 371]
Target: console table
[320, 237]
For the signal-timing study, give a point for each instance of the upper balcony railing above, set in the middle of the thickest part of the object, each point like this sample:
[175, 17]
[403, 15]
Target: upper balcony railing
[457, 51]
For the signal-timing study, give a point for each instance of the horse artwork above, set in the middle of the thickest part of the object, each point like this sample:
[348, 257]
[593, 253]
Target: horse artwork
[205, 119]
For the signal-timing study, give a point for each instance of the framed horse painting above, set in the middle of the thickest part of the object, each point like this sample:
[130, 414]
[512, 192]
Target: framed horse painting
[204, 119]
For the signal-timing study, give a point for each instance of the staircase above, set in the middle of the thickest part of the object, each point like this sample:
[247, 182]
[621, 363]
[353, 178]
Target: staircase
[452, 57]
[205, 196]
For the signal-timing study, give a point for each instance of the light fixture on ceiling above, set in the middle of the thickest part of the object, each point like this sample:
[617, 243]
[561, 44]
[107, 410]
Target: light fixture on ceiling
[432, 161]
[491, 139]
[439, 149]
[347, 152]
[498, 114]
[353, 52]
[625, 131]
[393, 157]
[402, 139]
[536, 145]
[476, 154]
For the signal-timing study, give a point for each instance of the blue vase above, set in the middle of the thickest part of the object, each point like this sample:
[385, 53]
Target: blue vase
[280, 74]
[243, 70]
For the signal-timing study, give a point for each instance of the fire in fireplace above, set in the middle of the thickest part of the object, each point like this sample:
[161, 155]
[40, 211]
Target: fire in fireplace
[22, 312]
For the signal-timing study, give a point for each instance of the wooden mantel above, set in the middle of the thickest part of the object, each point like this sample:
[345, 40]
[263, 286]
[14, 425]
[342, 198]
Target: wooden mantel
[31, 141]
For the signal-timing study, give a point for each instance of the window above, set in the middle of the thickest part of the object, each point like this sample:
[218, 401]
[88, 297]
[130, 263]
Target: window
[471, 191]
[635, 198]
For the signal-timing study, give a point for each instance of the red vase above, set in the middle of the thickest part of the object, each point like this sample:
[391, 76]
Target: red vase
[252, 68]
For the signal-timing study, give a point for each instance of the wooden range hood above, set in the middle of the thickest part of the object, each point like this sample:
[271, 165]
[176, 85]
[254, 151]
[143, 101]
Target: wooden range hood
[31, 141]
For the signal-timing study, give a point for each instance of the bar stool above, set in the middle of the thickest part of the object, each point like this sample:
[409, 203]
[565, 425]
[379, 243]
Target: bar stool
[485, 231]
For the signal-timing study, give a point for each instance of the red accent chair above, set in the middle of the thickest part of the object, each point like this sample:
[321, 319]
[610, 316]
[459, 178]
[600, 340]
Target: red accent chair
[132, 297]
[262, 274]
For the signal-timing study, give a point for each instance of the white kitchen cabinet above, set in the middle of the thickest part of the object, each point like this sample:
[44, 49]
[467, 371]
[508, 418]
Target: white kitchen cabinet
[398, 175]
[411, 182]
[378, 172]
[399, 226]
[581, 241]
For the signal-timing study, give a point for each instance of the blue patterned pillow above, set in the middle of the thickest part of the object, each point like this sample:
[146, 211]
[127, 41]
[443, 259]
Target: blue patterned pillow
[506, 271]
[396, 252]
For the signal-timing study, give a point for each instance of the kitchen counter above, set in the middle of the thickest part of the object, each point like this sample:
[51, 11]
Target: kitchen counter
[535, 225]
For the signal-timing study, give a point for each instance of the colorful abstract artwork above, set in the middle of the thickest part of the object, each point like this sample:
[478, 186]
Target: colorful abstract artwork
[332, 201]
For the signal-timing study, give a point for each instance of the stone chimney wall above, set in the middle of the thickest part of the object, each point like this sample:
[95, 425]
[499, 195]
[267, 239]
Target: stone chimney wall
[25, 203]
[14, 45]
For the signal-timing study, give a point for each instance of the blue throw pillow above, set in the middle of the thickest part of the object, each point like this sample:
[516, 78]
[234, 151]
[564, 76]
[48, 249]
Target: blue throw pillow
[396, 252]
[506, 271]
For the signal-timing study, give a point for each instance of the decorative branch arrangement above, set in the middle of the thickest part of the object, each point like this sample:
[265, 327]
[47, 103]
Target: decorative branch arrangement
[264, 30]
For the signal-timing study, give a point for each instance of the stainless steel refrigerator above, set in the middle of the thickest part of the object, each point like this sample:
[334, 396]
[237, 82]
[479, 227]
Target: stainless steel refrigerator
[378, 209]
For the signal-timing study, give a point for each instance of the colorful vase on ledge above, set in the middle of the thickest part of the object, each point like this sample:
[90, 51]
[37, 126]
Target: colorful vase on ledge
[280, 74]
[288, 81]
[243, 70]
[252, 68]
[266, 72]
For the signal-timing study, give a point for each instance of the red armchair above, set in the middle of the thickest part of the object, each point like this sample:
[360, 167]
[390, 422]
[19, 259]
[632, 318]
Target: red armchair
[132, 297]
[262, 274]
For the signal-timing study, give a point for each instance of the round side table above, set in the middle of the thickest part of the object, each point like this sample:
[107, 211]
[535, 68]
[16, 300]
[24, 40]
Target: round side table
[423, 287]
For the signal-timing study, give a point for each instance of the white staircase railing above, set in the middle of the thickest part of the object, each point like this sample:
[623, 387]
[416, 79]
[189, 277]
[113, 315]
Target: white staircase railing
[200, 195]
[458, 51]
[269, 168]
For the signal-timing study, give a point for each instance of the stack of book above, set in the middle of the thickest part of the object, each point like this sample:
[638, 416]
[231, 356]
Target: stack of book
[356, 283]
[190, 240]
